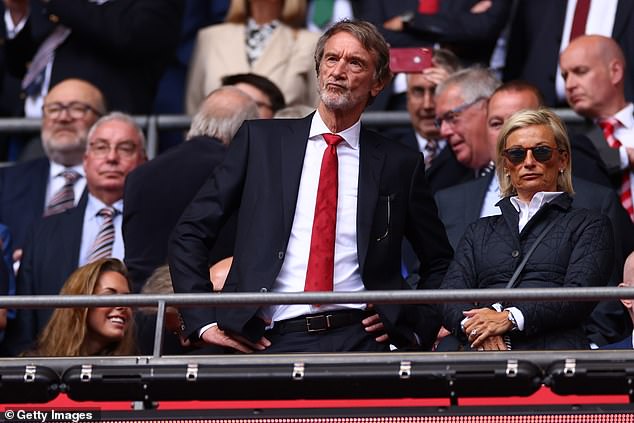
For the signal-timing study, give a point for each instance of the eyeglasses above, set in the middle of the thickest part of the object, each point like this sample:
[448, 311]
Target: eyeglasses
[451, 116]
[541, 153]
[126, 150]
[75, 109]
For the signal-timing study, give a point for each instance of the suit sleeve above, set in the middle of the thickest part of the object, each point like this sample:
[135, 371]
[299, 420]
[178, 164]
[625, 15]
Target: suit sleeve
[198, 228]
[135, 29]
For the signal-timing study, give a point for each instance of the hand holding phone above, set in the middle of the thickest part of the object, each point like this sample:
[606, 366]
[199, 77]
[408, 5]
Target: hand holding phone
[410, 60]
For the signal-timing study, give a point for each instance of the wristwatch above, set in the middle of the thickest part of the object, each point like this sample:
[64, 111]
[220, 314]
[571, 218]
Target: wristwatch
[512, 320]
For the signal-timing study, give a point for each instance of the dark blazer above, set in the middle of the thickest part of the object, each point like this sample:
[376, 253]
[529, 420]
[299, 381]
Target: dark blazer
[576, 252]
[625, 344]
[471, 36]
[261, 175]
[460, 206]
[533, 48]
[445, 171]
[121, 46]
[156, 193]
[50, 256]
[22, 192]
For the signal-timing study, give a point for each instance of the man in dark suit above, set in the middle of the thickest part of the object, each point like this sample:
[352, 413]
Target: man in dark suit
[594, 70]
[538, 34]
[70, 108]
[120, 46]
[461, 205]
[58, 244]
[628, 282]
[441, 167]
[279, 175]
[157, 192]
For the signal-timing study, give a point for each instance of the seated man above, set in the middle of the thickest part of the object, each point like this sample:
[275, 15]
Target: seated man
[628, 282]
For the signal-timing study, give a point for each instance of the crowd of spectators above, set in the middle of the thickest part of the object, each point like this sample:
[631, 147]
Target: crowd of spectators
[71, 217]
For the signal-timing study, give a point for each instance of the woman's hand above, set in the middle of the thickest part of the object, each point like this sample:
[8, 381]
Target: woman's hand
[483, 323]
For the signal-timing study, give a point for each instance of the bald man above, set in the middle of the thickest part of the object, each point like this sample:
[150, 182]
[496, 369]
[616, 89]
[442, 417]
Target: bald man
[70, 109]
[593, 68]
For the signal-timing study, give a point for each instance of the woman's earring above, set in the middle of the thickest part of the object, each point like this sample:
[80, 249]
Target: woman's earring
[561, 171]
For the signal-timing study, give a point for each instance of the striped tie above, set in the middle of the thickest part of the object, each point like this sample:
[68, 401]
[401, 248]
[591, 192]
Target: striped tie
[64, 198]
[32, 81]
[625, 193]
[102, 247]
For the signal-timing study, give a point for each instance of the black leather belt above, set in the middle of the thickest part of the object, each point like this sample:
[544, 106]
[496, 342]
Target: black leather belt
[320, 322]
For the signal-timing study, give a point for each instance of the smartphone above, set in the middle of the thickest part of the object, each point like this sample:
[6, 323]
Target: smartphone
[410, 60]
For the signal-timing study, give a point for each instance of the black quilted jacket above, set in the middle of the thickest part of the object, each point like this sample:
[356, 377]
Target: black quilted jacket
[577, 252]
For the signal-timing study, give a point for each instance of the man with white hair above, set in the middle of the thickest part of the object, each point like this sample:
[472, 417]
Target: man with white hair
[157, 192]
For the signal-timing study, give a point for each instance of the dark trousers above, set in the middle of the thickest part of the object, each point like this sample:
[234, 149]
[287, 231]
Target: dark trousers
[347, 338]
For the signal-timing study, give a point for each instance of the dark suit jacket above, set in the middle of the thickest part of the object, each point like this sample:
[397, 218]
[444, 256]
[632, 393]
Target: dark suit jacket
[471, 36]
[22, 192]
[261, 175]
[533, 49]
[625, 344]
[121, 46]
[459, 206]
[50, 256]
[156, 193]
[445, 171]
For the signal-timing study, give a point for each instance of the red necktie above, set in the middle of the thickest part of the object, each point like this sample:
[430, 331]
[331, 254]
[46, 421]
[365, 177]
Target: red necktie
[579, 19]
[428, 7]
[321, 261]
[608, 126]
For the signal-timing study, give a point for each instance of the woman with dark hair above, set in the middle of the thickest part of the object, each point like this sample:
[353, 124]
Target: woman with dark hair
[573, 248]
[86, 331]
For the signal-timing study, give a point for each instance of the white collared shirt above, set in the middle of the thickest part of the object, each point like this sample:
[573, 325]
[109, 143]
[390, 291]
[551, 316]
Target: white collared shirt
[92, 224]
[347, 276]
[491, 198]
[527, 211]
[56, 181]
[422, 143]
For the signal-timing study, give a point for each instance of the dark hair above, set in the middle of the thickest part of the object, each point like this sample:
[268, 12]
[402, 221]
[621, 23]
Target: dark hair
[520, 85]
[260, 82]
[368, 36]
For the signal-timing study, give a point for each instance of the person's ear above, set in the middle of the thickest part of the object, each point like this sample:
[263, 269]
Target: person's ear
[627, 302]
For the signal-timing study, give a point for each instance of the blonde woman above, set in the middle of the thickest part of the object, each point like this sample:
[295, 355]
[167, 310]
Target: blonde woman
[261, 37]
[86, 331]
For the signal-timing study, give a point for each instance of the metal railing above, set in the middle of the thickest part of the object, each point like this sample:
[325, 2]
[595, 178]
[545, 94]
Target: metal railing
[154, 124]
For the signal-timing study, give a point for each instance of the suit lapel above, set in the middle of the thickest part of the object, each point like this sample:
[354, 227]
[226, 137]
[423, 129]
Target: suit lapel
[371, 158]
[623, 12]
[276, 51]
[75, 229]
[476, 197]
[292, 144]
[609, 156]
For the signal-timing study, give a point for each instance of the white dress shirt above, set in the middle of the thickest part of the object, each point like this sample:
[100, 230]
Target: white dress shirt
[625, 134]
[341, 9]
[422, 143]
[491, 198]
[347, 277]
[56, 181]
[92, 224]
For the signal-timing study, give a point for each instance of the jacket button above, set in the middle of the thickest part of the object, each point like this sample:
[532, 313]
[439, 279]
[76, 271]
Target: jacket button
[280, 255]
[264, 290]
[515, 254]
[53, 18]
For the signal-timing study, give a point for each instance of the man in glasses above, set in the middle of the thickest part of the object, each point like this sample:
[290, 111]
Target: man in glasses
[60, 243]
[441, 168]
[461, 116]
[51, 184]
[461, 205]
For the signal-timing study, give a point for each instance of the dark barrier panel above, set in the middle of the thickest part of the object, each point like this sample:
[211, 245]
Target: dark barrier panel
[28, 384]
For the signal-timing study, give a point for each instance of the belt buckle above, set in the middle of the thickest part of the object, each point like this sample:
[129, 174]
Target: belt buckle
[323, 318]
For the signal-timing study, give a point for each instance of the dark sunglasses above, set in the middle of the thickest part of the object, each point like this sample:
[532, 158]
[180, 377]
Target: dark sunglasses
[541, 153]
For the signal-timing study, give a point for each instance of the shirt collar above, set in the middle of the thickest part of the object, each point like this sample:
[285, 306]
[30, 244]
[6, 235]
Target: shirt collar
[94, 205]
[350, 135]
[55, 169]
[538, 200]
[625, 116]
